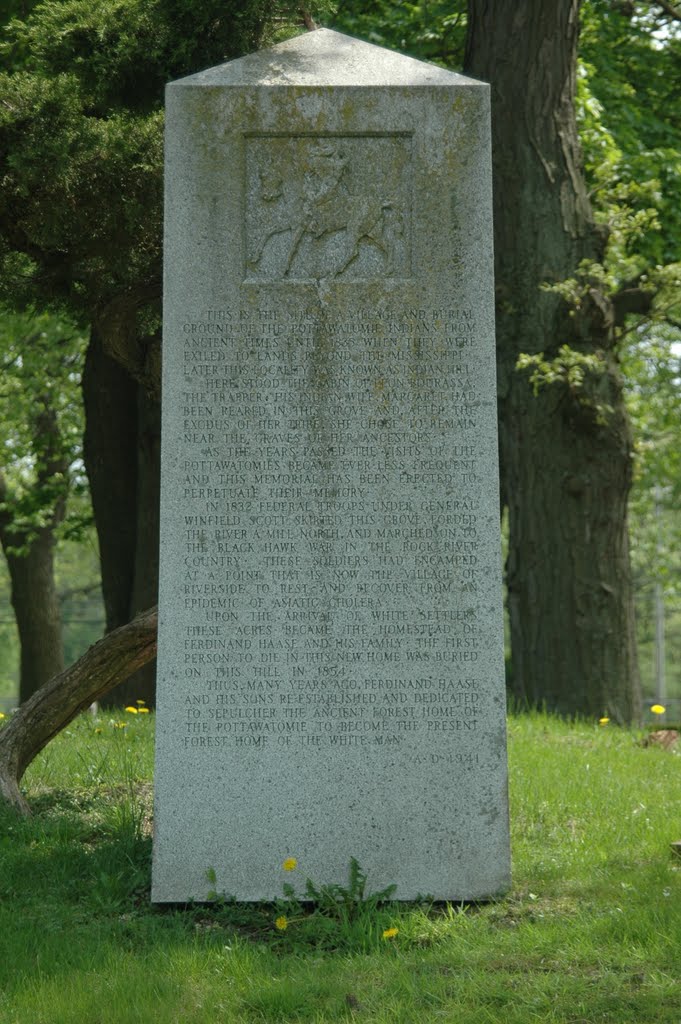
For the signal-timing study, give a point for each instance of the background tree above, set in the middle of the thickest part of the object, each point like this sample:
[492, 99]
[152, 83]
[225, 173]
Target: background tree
[653, 367]
[630, 77]
[432, 30]
[80, 227]
[40, 440]
[566, 449]
[576, 251]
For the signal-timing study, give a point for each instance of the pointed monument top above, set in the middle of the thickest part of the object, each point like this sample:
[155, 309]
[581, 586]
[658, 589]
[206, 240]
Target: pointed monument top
[326, 58]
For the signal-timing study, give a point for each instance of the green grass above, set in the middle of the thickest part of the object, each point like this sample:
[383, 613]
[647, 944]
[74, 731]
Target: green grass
[590, 932]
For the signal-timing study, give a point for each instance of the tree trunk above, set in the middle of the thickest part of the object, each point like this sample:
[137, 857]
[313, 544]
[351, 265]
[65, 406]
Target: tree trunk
[29, 551]
[36, 610]
[110, 454]
[144, 591]
[57, 703]
[122, 457]
[565, 468]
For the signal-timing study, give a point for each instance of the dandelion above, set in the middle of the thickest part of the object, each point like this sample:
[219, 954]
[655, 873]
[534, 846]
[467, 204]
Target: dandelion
[658, 709]
[290, 864]
[131, 711]
[2, 715]
[143, 711]
[281, 923]
[120, 725]
[140, 703]
[390, 933]
[604, 720]
[97, 732]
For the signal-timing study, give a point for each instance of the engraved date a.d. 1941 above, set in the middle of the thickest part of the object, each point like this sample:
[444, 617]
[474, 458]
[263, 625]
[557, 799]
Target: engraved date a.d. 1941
[459, 760]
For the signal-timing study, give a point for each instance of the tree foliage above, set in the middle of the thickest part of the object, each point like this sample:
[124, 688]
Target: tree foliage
[41, 427]
[630, 117]
[80, 144]
[81, 127]
[433, 30]
[630, 124]
[41, 423]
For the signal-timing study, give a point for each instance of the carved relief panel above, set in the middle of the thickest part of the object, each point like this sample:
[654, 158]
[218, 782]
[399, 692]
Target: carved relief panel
[327, 207]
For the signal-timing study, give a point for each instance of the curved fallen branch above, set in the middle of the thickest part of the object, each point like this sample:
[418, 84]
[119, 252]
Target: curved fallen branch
[106, 664]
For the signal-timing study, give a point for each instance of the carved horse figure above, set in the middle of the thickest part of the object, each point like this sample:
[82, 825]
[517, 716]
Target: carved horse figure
[326, 207]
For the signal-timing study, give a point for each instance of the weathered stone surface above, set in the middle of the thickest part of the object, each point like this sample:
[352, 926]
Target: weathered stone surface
[330, 646]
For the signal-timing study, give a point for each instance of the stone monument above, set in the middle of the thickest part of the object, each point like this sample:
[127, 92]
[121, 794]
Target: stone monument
[330, 680]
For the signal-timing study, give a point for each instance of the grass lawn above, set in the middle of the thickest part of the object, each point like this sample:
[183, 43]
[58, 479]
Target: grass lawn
[590, 932]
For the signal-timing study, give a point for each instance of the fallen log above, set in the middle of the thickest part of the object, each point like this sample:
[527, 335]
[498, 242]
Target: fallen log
[110, 661]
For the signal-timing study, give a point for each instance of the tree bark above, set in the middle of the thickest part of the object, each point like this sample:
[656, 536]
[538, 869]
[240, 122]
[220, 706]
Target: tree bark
[109, 662]
[36, 610]
[110, 454]
[122, 458]
[565, 469]
[144, 590]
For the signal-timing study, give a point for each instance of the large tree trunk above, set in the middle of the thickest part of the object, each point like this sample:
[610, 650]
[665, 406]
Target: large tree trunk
[57, 703]
[110, 453]
[144, 591]
[122, 446]
[566, 470]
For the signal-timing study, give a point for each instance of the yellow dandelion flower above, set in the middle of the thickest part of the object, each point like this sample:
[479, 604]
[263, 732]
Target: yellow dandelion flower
[131, 711]
[290, 864]
[143, 711]
[120, 725]
[140, 703]
[604, 720]
[658, 709]
[97, 732]
[390, 933]
[2, 714]
[281, 923]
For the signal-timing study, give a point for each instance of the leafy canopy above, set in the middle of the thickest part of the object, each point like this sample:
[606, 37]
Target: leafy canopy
[81, 128]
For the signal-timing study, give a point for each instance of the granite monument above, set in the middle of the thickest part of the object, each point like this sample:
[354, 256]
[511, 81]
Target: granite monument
[330, 673]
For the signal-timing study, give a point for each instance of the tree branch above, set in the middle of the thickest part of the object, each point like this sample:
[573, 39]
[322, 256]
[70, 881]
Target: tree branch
[669, 9]
[308, 20]
[116, 324]
[631, 299]
[87, 588]
[109, 662]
